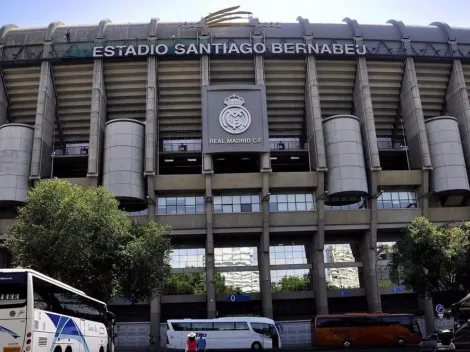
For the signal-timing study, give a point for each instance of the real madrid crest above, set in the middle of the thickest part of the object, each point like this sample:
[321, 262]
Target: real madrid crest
[234, 118]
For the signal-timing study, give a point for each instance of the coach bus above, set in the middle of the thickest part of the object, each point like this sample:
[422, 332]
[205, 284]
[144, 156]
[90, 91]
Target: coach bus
[365, 330]
[38, 313]
[232, 333]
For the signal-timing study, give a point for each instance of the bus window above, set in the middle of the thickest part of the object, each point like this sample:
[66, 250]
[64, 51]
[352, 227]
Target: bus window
[181, 326]
[241, 325]
[13, 290]
[261, 328]
[224, 326]
[202, 326]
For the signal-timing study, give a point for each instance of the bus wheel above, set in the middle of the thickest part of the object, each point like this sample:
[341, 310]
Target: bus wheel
[347, 343]
[401, 341]
[256, 346]
[58, 349]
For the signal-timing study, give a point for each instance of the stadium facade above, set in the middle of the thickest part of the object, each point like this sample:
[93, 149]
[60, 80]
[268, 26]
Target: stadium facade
[281, 138]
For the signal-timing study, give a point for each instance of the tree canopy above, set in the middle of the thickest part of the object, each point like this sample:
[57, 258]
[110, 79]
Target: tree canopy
[433, 258]
[82, 238]
[292, 284]
[194, 284]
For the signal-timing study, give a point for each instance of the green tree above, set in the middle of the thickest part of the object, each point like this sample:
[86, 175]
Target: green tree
[82, 238]
[292, 284]
[195, 284]
[432, 258]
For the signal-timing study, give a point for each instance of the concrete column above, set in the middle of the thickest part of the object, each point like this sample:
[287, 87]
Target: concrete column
[414, 119]
[458, 106]
[155, 319]
[152, 198]
[45, 118]
[151, 118]
[316, 144]
[264, 264]
[423, 193]
[369, 260]
[318, 245]
[97, 120]
[4, 103]
[208, 171]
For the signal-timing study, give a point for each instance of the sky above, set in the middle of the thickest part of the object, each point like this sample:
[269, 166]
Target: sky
[39, 13]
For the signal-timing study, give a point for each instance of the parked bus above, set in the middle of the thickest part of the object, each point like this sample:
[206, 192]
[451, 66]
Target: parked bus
[365, 330]
[38, 313]
[243, 333]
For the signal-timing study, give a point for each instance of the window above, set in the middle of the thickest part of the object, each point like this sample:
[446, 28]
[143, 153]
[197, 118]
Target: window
[397, 200]
[282, 255]
[241, 326]
[236, 204]
[284, 143]
[188, 258]
[291, 202]
[13, 290]
[202, 326]
[61, 301]
[225, 326]
[181, 145]
[138, 213]
[180, 205]
[261, 328]
[181, 326]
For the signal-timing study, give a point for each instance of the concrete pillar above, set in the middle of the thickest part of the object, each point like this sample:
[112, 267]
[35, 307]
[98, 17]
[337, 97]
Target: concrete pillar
[208, 171]
[369, 260]
[318, 245]
[414, 119]
[264, 264]
[356, 251]
[155, 319]
[97, 120]
[316, 147]
[316, 144]
[4, 103]
[151, 118]
[458, 106]
[45, 118]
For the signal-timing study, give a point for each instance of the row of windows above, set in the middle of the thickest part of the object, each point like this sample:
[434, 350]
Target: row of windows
[207, 326]
[341, 322]
[55, 299]
[277, 202]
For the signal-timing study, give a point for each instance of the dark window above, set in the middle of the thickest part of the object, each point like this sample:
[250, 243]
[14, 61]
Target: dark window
[261, 328]
[225, 326]
[241, 326]
[13, 290]
[55, 299]
[181, 326]
[202, 326]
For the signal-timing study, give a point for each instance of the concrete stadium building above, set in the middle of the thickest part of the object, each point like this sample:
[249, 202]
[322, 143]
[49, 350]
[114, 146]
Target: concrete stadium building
[283, 138]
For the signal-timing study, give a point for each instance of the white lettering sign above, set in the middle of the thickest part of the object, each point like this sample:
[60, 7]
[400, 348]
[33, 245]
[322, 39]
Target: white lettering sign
[235, 140]
[230, 48]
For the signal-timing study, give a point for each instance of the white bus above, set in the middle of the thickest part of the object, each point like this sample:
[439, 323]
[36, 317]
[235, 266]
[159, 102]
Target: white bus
[38, 313]
[243, 333]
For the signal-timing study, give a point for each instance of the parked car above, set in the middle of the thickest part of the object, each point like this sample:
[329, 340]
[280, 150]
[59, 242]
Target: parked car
[440, 340]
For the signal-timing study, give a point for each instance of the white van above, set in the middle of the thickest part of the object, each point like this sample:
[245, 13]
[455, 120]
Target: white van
[237, 333]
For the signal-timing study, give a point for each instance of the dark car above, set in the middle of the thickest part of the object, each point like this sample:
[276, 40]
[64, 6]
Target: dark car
[439, 340]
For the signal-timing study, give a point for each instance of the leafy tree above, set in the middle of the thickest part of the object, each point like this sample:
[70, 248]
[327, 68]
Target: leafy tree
[195, 284]
[292, 284]
[432, 258]
[82, 238]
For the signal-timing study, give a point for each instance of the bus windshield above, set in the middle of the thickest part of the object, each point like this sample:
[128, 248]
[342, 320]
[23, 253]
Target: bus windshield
[13, 290]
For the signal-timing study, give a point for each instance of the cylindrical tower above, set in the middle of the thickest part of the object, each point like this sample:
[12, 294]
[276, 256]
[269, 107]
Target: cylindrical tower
[346, 175]
[16, 146]
[123, 172]
[449, 174]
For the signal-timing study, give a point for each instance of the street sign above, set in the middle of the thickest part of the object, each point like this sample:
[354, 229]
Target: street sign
[238, 298]
[439, 309]
[345, 293]
[398, 289]
[440, 315]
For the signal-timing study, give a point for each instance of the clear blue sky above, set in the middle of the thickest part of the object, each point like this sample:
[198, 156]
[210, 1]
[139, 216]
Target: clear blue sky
[33, 13]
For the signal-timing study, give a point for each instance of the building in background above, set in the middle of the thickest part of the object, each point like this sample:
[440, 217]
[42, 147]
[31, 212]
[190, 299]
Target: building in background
[260, 143]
